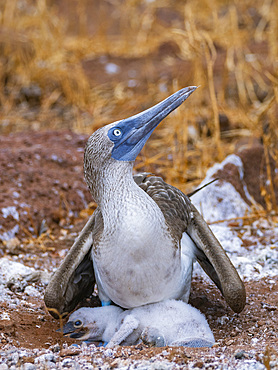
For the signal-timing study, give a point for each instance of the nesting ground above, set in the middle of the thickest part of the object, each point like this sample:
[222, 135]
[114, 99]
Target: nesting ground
[45, 202]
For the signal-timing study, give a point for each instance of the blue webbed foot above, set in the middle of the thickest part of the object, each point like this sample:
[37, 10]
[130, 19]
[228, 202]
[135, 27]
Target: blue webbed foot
[105, 303]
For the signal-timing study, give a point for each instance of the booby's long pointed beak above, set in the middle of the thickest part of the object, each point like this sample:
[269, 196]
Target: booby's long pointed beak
[130, 135]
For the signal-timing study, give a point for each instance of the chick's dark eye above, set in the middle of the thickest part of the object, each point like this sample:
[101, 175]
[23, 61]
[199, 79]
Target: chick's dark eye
[78, 323]
[117, 132]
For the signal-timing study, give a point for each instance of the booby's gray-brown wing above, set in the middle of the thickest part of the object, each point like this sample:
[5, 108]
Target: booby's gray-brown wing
[181, 216]
[74, 280]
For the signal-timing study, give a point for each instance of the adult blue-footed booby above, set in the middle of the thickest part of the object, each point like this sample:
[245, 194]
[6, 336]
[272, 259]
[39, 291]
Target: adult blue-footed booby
[140, 244]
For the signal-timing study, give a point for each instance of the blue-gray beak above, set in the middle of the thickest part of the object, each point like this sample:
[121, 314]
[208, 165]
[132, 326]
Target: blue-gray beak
[70, 330]
[130, 135]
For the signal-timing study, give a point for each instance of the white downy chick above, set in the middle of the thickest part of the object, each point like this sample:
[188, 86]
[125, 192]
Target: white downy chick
[167, 323]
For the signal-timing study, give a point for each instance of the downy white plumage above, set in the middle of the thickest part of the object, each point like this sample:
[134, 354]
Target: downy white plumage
[167, 323]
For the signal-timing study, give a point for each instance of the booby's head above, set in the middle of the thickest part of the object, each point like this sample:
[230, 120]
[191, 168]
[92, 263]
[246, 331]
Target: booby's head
[123, 140]
[130, 135]
[89, 323]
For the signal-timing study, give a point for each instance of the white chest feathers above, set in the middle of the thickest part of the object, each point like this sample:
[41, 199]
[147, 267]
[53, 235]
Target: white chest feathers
[136, 261]
[134, 221]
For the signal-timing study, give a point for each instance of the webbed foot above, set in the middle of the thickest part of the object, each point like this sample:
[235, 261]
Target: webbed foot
[105, 303]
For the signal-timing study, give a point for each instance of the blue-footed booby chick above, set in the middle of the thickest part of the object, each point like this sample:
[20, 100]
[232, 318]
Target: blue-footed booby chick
[167, 323]
[140, 244]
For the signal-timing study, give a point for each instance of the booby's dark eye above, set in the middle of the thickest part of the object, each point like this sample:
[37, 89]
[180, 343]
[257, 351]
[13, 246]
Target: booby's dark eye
[78, 323]
[117, 132]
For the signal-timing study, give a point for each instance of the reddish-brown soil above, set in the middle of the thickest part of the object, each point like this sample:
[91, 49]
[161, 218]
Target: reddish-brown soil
[41, 175]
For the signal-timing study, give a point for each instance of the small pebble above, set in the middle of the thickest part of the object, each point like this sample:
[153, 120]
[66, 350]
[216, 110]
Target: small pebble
[240, 355]
[199, 364]
[32, 291]
[56, 348]
[29, 366]
[48, 357]
[108, 353]
[4, 367]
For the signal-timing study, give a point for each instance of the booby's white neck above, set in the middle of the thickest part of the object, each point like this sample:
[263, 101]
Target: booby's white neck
[123, 203]
[113, 183]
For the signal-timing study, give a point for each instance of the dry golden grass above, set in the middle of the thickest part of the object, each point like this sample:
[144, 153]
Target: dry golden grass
[231, 47]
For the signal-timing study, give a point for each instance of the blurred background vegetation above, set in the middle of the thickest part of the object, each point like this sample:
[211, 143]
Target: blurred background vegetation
[79, 64]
